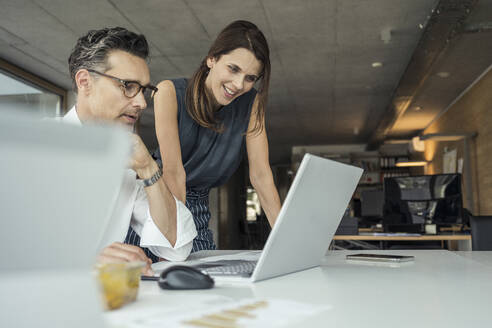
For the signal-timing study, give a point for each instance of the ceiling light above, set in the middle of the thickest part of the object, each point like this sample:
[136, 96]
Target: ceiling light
[443, 74]
[411, 163]
[417, 108]
[377, 64]
[417, 144]
[386, 35]
[397, 141]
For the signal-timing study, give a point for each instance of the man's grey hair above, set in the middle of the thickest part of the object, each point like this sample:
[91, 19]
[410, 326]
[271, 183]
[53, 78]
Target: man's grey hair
[92, 49]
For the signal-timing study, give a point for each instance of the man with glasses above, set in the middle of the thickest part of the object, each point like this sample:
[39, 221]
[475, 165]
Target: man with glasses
[111, 78]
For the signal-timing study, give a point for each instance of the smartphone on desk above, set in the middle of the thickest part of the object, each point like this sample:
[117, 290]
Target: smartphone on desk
[381, 258]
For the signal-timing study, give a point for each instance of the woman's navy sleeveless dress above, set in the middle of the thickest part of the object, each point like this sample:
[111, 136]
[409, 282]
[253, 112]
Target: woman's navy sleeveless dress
[209, 158]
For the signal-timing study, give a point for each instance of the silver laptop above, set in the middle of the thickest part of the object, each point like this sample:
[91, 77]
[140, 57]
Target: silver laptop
[310, 215]
[59, 183]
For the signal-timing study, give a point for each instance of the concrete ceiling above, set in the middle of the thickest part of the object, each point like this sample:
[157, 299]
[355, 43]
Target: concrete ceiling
[324, 89]
[466, 56]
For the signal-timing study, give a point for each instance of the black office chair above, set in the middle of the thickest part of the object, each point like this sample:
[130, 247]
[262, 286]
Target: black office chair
[481, 230]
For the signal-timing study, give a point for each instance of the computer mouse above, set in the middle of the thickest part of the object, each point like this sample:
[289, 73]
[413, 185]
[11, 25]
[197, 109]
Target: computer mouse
[184, 277]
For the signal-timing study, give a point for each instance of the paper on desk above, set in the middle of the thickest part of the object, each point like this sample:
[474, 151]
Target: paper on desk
[255, 313]
[145, 312]
[234, 314]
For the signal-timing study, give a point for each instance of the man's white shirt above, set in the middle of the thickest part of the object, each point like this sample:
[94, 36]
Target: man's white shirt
[132, 208]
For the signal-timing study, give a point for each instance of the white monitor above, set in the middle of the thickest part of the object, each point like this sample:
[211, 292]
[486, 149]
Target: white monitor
[58, 186]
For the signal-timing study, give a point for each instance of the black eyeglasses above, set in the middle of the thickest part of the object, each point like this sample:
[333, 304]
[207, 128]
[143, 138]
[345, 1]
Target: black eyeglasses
[131, 88]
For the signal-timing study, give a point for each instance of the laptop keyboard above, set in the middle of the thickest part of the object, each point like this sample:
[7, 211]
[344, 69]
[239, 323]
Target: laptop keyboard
[228, 268]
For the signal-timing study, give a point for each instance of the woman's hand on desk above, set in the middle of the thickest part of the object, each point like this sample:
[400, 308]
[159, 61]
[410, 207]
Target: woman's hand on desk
[119, 252]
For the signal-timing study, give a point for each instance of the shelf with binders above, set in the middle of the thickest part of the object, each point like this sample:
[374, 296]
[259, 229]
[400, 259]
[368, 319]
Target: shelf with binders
[391, 162]
[393, 173]
[378, 168]
[370, 178]
[370, 165]
[389, 168]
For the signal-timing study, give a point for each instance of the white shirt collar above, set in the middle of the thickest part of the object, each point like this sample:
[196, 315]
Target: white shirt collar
[72, 117]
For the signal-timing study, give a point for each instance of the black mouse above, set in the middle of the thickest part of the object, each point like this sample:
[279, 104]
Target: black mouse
[184, 277]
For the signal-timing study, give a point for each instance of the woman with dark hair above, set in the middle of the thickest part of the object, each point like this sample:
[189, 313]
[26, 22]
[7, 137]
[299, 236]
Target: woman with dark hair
[203, 123]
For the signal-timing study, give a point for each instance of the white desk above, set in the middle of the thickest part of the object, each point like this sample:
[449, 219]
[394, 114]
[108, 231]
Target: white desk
[440, 289]
[483, 257]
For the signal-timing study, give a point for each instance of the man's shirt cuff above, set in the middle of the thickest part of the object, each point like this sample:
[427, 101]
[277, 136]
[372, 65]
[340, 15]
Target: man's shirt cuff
[152, 238]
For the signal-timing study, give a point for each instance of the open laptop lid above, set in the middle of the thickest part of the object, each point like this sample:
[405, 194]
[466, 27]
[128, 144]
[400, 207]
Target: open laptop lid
[309, 217]
[59, 185]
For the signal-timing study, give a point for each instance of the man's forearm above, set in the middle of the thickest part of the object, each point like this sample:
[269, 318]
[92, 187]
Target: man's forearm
[161, 203]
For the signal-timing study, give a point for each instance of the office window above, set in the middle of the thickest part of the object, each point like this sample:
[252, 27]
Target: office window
[16, 94]
[253, 207]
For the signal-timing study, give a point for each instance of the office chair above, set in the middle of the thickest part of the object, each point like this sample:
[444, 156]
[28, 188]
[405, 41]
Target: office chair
[481, 230]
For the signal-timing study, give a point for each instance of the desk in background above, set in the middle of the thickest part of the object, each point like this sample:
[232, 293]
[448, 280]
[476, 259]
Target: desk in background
[440, 289]
[359, 239]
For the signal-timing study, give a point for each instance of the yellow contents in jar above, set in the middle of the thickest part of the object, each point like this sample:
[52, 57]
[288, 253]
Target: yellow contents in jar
[119, 282]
